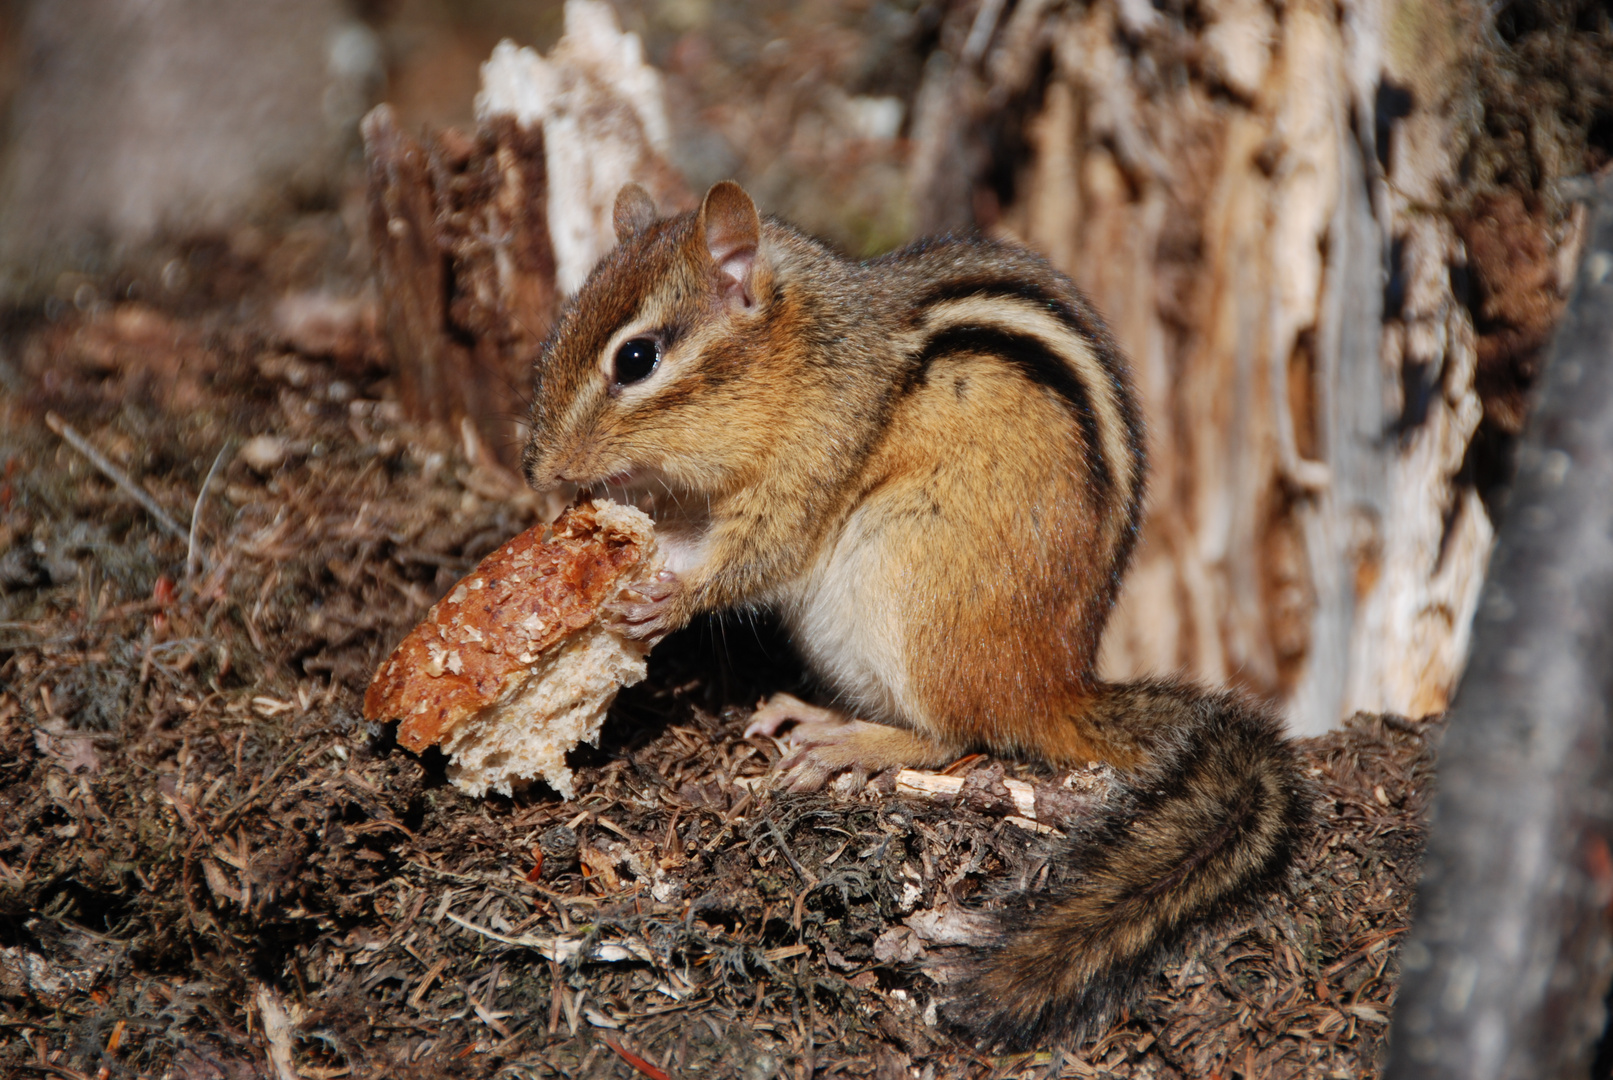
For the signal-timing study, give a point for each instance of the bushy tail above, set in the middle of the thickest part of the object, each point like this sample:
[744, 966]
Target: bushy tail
[1210, 820]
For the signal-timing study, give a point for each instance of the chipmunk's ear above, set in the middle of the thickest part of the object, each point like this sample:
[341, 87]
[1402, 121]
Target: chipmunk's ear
[635, 211]
[733, 234]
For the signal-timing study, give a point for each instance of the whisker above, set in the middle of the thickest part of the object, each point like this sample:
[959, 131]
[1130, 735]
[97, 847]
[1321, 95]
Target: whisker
[524, 396]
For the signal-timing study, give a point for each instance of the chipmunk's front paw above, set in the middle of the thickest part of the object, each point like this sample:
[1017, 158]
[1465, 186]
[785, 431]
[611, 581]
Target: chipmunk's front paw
[650, 610]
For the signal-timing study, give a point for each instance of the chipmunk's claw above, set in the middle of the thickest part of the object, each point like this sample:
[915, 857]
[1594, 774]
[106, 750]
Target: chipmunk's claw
[782, 709]
[823, 752]
[822, 743]
[648, 611]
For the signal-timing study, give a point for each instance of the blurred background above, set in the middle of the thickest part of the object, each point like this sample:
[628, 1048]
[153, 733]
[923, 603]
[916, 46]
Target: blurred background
[1333, 235]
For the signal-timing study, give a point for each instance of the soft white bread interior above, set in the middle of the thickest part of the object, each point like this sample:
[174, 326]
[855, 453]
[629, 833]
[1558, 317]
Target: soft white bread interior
[518, 664]
[563, 702]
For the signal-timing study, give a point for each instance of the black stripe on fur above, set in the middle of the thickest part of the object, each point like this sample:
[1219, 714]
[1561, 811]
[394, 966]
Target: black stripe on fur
[1037, 362]
[1200, 834]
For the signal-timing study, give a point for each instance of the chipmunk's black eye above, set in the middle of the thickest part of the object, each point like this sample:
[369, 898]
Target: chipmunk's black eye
[635, 360]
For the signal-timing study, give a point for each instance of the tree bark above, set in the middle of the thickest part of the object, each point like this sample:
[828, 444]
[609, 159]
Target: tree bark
[478, 237]
[1507, 964]
[466, 271]
[1269, 208]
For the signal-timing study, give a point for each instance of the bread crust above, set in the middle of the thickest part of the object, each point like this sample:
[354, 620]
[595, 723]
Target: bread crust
[477, 645]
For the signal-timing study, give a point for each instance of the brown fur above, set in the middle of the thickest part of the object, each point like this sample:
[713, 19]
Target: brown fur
[1208, 823]
[931, 465]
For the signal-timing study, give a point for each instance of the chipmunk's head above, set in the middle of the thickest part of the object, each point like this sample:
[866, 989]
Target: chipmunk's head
[659, 373]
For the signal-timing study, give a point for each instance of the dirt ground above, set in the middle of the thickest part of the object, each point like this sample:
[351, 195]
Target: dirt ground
[212, 867]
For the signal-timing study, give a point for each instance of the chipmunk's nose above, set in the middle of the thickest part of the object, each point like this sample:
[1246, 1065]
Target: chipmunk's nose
[541, 474]
[549, 464]
[568, 461]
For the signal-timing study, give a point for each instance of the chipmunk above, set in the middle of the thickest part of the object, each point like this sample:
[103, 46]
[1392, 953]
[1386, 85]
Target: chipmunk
[930, 465]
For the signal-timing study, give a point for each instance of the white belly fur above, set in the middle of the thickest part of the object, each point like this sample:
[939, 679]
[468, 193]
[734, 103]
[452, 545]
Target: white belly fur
[851, 630]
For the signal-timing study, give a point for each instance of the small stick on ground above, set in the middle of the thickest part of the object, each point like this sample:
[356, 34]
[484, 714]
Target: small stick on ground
[116, 475]
[277, 1032]
[194, 558]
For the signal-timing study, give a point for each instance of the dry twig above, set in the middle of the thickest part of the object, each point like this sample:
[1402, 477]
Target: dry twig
[116, 475]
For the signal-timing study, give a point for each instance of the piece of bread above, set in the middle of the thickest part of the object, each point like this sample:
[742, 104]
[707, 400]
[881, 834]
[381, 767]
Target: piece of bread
[515, 666]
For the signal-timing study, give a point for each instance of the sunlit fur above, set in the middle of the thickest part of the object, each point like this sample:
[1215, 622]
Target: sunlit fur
[931, 465]
[1210, 822]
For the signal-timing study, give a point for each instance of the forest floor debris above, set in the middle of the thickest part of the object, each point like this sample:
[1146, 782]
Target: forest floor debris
[210, 867]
